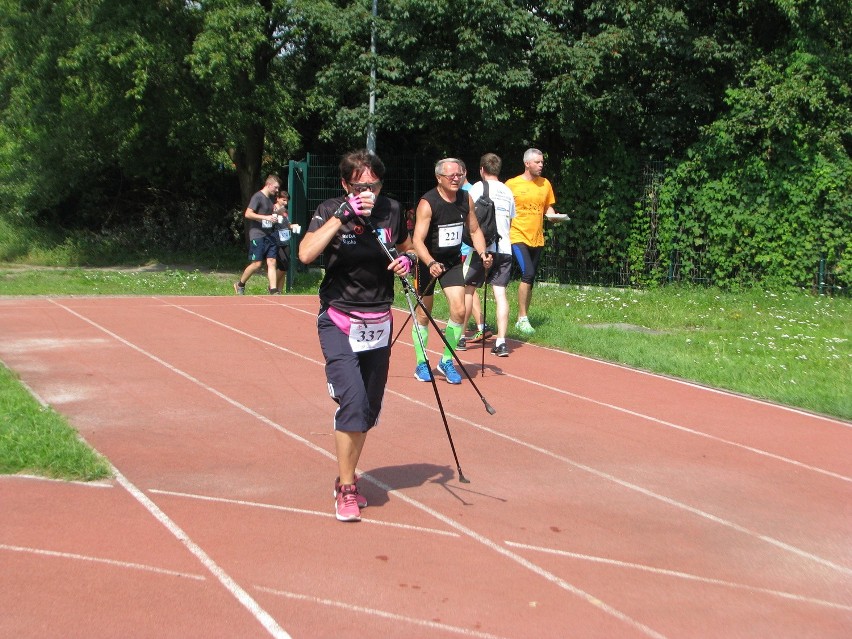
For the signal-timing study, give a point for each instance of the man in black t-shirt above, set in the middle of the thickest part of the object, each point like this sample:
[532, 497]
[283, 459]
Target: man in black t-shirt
[262, 244]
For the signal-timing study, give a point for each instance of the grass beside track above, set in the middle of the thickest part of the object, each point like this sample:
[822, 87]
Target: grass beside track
[36, 440]
[789, 347]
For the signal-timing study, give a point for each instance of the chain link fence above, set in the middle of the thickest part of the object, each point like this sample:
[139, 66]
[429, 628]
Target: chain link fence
[317, 178]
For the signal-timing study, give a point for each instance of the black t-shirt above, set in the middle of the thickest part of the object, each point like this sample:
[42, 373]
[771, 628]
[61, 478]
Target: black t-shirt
[261, 205]
[356, 267]
[281, 233]
[444, 237]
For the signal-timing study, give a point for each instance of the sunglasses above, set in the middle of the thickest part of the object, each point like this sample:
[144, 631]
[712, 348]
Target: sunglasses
[360, 187]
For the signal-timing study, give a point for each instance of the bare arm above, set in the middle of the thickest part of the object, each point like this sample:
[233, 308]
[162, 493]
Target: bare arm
[421, 229]
[314, 242]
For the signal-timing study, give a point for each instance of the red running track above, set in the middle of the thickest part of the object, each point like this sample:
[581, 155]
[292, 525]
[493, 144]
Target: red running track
[604, 502]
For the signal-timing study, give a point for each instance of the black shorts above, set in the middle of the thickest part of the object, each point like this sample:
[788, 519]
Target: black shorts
[498, 274]
[356, 381]
[453, 276]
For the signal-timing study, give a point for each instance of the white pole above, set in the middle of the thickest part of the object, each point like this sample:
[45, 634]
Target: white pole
[371, 127]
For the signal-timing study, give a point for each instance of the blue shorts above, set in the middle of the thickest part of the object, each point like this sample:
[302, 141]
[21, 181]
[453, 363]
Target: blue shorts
[356, 381]
[262, 248]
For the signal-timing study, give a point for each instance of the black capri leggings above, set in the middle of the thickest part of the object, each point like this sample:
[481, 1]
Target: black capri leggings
[528, 257]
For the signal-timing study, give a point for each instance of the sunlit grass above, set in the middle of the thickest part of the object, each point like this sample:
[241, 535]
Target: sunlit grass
[790, 347]
[152, 280]
[35, 439]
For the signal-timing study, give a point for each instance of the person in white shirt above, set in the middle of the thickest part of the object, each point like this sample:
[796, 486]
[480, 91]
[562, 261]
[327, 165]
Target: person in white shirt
[498, 275]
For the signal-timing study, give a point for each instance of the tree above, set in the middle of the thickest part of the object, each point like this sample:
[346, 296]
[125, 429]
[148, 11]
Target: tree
[767, 190]
[106, 100]
[91, 99]
[452, 79]
[245, 58]
[155, 92]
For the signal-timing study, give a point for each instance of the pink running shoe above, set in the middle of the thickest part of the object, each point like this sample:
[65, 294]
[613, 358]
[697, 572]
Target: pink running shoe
[346, 504]
[362, 501]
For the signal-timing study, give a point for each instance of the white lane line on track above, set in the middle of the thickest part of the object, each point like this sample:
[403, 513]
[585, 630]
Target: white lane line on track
[680, 575]
[424, 623]
[243, 597]
[611, 478]
[639, 489]
[632, 413]
[685, 429]
[300, 511]
[263, 617]
[101, 560]
[702, 387]
[683, 382]
[662, 422]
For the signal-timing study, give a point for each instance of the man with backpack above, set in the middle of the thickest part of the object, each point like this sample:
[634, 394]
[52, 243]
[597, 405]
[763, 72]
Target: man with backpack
[481, 330]
[494, 205]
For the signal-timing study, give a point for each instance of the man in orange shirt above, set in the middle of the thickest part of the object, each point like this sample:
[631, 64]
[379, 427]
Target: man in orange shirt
[534, 199]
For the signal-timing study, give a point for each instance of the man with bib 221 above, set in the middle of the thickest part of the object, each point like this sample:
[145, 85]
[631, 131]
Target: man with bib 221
[355, 323]
[441, 214]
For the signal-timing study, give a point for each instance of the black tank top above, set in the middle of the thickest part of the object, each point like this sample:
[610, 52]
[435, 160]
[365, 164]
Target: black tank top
[445, 229]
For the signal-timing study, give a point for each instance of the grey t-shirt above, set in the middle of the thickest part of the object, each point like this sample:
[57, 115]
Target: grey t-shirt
[261, 205]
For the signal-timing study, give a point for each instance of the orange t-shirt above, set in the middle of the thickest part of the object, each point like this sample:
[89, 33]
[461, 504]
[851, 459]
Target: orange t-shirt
[532, 197]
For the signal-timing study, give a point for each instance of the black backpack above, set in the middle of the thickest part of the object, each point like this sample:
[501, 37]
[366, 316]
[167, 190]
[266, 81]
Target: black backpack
[486, 215]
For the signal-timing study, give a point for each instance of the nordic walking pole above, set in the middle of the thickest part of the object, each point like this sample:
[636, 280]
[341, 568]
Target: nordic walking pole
[407, 285]
[484, 319]
[405, 323]
[434, 383]
[408, 292]
[488, 407]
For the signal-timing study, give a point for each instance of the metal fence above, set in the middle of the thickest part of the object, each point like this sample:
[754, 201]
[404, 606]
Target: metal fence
[317, 178]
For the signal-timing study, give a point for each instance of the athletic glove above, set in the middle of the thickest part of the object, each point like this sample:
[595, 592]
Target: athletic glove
[407, 260]
[350, 207]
